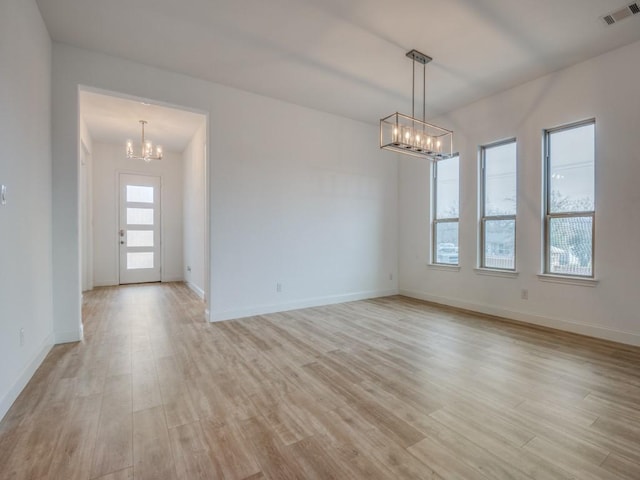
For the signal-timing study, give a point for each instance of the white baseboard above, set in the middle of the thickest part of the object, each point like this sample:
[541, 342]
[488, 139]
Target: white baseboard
[172, 278]
[115, 283]
[556, 323]
[307, 303]
[25, 376]
[196, 289]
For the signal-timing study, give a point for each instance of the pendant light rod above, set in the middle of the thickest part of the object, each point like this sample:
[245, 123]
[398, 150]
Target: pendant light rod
[424, 92]
[142, 122]
[413, 88]
[423, 59]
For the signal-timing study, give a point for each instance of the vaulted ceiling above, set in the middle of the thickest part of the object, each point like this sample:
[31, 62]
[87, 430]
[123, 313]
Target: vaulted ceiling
[347, 56]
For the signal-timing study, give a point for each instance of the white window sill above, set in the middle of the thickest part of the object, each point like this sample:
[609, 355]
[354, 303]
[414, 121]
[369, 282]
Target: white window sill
[584, 282]
[444, 267]
[494, 272]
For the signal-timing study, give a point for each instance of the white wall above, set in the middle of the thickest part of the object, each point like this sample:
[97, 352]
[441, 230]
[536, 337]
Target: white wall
[108, 162]
[605, 88]
[25, 221]
[298, 196]
[194, 222]
[86, 207]
[305, 199]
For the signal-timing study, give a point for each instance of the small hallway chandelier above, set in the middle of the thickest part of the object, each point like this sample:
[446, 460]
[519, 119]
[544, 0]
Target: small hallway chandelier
[146, 148]
[411, 136]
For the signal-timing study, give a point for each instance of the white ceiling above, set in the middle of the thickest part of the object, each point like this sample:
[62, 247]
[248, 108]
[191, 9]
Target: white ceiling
[347, 56]
[114, 120]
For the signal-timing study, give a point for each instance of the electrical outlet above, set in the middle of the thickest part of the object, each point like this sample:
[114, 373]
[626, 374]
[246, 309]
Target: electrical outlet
[278, 287]
[391, 276]
[188, 268]
[524, 294]
[22, 337]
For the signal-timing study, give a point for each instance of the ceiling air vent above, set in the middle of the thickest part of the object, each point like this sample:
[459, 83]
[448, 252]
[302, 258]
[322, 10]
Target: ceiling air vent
[618, 15]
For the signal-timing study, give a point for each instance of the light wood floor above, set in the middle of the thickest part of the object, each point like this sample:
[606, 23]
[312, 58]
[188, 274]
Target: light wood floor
[388, 388]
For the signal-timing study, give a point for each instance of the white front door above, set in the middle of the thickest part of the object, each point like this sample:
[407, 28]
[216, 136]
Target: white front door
[139, 234]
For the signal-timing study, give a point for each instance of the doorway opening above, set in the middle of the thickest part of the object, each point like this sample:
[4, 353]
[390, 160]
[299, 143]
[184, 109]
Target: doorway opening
[142, 221]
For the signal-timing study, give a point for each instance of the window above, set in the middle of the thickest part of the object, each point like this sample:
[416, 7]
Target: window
[570, 199]
[445, 201]
[498, 201]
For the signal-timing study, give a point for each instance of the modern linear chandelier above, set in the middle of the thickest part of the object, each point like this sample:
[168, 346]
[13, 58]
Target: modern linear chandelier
[146, 148]
[412, 136]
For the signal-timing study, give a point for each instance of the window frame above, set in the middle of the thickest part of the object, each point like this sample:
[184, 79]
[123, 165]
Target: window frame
[549, 216]
[434, 215]
[484, 217]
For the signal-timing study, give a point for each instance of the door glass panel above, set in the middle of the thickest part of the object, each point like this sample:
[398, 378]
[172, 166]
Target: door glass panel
[136, 193]
[139, 260]
[139, 216]
[139, 238]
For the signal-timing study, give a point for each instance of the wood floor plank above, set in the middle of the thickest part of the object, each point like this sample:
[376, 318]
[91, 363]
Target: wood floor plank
[622, 467]
[74, 451]
[228, 450]
[443, 462]
[274, 459]
[152, 455]
[146, 390]
[191, 454]
[375, 389]
[565, 459]
[391, 454]
[378, 415]
[126, 474]
[484, 436]
[348, 440]
[316, 461]
[114, 449]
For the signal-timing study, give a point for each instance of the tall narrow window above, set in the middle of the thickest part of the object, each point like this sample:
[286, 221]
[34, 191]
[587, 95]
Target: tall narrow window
[570, 199]
[445, 201]
[498, 202]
